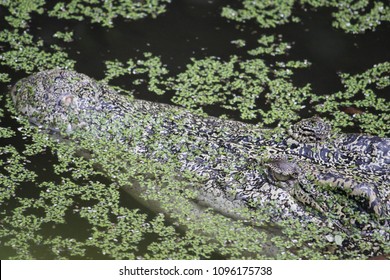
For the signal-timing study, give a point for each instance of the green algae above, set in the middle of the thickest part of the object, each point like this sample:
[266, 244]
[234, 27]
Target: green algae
[5, 132]
[239, 43]
[4, 78]
[14, 172]
[235, 84]
[30, 55]
[105, 13]
[269, 45]
[21, 10]
[266, 13]
[355, 16]
[65, 36]
[361, 91]
[351, 16]
[148, 71]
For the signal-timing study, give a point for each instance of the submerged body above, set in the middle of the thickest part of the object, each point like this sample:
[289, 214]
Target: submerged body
[238, 164]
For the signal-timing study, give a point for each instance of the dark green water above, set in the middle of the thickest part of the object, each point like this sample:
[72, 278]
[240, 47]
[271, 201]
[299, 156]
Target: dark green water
[193, 29]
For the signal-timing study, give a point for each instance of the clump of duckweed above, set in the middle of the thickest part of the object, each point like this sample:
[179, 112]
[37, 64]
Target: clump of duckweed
[360, 91]
[14, 172]
[66, 36]
[355, 16]
[6, 132]
[149, 70]
[266, 13]
[351, 16]
[25, 53]
[4, 78]
[239, 43]
[268, 45]
[20, 11]
[105, 12]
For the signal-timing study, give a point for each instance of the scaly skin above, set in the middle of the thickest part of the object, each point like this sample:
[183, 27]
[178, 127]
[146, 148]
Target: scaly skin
[239, 162]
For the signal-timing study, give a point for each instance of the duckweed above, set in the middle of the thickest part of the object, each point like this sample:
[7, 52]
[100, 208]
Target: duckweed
[25, 53]
[78, 210]
[6, 132]
[355, 16]
[105, 13]
[4, 78]
[149, 71]
[65, 36]
[351, 16]
[239, 43]
[361, 91]
[266, 13]
[233, 85]
[20, 11]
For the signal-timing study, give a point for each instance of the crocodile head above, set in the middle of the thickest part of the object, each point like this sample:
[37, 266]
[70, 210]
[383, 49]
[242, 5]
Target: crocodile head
[57, 99]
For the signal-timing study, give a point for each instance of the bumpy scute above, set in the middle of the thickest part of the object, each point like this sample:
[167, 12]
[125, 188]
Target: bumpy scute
[229, 155]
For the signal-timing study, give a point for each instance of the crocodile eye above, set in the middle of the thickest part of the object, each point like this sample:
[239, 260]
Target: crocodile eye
[281, 176]
[281, 169]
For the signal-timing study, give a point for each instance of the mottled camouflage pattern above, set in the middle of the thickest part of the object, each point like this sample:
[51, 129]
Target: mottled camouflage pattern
[240, 164]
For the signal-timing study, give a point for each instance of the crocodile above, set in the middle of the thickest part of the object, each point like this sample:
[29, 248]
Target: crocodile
[239, 164]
